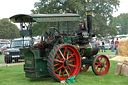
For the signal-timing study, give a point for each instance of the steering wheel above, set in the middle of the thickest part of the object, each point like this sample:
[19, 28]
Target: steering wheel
[49, 34]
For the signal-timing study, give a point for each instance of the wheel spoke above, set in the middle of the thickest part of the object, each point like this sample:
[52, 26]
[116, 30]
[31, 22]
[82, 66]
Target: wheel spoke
[58, 68]
[105, 64]
[58, 61]
[71, 56]
[97, 65]
[105, 68]
[58, 56]
[104, 61]
[61, 54]
[72, 65]
[100, 59]
[60, 72]
[70, 69]
[71, 60]
[96, 68]
[67, 54]
[101, 70]
[65, 51]
[56, 64]
[63, 73]
[67, 72]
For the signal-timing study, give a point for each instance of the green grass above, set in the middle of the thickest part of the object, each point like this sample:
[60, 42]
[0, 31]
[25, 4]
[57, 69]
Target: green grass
[1, 59]
[14, 75]
[108, 52]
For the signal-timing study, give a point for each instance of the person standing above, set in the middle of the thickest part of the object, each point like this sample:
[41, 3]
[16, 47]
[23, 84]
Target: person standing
[116, 46]
[112, 45]
[103, 46]
[98, 42]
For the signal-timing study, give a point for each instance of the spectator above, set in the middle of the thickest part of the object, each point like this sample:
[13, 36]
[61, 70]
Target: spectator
[103, 46]
[98, 42]
[112, 45]
[116, 46]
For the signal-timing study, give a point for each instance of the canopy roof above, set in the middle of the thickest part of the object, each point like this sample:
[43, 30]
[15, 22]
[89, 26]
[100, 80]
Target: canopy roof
[44, 17]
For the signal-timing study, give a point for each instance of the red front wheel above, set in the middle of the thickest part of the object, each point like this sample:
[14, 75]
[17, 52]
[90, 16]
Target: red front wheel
[63, 62]
[100, 65]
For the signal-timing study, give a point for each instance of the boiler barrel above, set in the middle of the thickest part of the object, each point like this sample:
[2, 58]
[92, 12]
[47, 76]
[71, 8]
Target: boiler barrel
[87, 50]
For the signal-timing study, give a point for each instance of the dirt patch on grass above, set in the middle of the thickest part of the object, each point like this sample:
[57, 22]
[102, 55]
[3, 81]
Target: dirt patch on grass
[11, 64]
[119, 58]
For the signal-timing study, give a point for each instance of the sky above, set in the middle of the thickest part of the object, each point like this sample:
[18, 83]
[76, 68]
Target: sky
[122, 8]
[9, 8]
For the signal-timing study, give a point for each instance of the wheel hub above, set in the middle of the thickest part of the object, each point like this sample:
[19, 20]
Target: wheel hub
[66, 62]
[102, 65]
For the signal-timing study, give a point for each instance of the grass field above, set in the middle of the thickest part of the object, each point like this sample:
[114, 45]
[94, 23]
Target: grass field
[1, 59]
[14, 75]
[108, 52]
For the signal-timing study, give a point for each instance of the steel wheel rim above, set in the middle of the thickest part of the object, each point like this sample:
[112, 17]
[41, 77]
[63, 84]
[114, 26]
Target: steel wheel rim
[66, 62]
[101, 65]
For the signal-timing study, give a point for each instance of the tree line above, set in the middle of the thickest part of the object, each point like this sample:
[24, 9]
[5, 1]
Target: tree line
[102, 13]
[104, 23]
[8, 30]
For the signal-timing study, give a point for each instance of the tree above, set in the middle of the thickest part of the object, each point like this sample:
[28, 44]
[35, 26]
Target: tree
[121, 23]
[102, 10]
[8, 30]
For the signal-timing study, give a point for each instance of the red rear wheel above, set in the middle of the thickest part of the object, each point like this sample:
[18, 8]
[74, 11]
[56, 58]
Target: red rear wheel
[100, 65]
[63, 62]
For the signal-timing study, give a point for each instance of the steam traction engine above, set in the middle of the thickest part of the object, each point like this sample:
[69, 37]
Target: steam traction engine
[56, 57]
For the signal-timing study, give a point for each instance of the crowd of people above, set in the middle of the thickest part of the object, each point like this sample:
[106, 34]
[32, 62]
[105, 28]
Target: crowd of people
[114, 45]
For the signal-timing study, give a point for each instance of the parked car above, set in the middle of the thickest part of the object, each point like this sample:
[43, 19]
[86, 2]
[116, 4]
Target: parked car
[107, 44]
[13, 53]
[4, 42]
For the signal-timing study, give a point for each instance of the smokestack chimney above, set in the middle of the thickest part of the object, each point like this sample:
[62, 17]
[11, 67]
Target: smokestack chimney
[89, 23]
